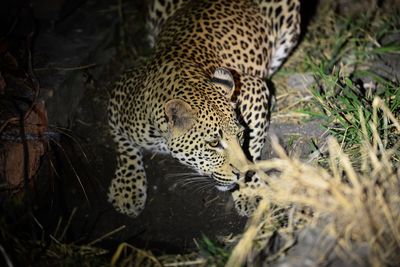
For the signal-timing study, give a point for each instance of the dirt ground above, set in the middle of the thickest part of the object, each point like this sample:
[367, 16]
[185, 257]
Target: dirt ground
[76, 60]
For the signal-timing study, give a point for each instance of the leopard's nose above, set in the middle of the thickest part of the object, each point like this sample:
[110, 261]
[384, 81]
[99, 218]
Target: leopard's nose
[248, 176]
[237, 174]
[234, 188]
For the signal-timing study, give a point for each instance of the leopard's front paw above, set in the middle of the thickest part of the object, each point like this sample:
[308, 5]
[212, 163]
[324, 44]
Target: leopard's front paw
[127, 198]
[246, 201]
[248, 196]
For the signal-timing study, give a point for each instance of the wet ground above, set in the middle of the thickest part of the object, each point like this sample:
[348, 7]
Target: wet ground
[76, 60]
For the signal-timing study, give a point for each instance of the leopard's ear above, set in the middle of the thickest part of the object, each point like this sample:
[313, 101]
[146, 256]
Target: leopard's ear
[180, 115]
[223, 78]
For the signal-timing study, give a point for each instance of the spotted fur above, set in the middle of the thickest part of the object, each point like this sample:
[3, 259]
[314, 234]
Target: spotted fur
[202, 97]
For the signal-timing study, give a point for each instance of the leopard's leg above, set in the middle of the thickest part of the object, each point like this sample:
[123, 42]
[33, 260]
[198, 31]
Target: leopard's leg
[128, 189]
[254, 105]
[249, 195]
[282, 18]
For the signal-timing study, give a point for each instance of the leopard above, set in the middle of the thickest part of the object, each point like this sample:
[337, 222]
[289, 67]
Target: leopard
[203, 96]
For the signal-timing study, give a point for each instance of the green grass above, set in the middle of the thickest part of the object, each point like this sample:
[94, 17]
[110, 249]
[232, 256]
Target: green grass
[342, 102]
[215, 253]
[354, 41]
[346, 47]
[343, 63]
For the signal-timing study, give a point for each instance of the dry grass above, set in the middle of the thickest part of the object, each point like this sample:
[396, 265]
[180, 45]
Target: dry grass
[356, 208]
[128, 255]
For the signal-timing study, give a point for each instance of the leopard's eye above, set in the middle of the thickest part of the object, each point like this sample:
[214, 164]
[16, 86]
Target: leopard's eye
[214, 143]
[240, 135]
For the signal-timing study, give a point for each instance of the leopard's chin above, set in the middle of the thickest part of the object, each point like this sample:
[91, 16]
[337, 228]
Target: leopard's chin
[225, 188]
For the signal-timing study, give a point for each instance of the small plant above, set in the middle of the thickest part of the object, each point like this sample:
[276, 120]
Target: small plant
[342, 103]
[347, 79]
[215, 253]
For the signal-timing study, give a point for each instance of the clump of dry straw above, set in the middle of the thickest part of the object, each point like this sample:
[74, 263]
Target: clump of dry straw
[355, 206]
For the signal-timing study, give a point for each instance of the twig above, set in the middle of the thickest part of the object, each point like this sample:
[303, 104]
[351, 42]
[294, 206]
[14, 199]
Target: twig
[185, 263]
[68, 223]
[83, 67]
[74, 171]
[6, 258]
[107, 235]
[121, 21]
[10, 120]
[122, 248]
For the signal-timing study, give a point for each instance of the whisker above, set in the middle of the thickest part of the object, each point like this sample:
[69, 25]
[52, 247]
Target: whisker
[191, 182]
[190, 178]
[196, 185]
[178, 174]
[194, 177]
[203, 188]
[68, 159]
[223, 215]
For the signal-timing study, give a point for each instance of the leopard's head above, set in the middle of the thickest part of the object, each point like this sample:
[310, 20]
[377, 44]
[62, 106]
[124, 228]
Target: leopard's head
[204, 131]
